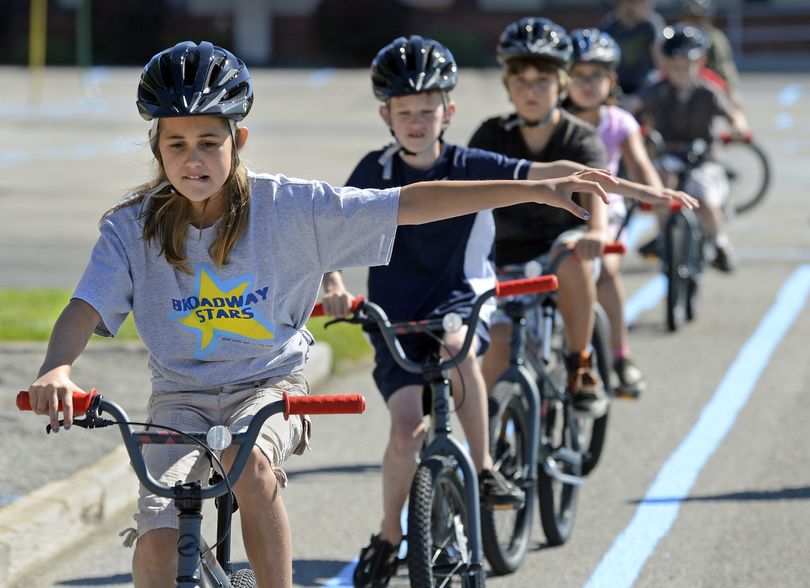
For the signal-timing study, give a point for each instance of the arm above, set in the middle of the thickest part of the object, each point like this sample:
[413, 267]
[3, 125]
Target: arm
[653, 193]
[337, 300]
[70, 335]
[426, 202]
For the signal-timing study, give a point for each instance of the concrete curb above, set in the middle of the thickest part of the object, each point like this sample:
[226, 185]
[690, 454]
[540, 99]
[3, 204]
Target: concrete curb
[54, 517]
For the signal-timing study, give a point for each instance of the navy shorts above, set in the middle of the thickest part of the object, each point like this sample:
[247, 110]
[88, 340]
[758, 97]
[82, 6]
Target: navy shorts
[390, 377]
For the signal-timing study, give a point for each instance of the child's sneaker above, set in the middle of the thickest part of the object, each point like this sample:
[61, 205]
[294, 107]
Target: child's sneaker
[631, 380]
[587, 390]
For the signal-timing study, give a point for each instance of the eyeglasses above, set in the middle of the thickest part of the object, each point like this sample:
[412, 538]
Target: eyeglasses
[582, 80]
[521, 84]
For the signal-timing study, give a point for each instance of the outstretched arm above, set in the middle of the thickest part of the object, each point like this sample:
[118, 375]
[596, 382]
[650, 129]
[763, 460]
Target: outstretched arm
[633, 190]
[431, 201]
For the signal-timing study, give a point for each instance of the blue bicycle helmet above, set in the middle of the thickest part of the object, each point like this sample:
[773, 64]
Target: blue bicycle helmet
[189, 80]
[412, 65]
[684, 40]
[594, 46]
[535, 37]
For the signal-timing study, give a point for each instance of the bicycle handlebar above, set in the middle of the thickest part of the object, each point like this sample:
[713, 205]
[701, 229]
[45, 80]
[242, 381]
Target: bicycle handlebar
[326, 404]
[367, 311]
[81, 401]
[330, 404]
[317, 310]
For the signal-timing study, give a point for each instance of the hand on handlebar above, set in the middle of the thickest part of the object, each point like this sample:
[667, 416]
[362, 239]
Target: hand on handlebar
[51, 392]
[590, 245]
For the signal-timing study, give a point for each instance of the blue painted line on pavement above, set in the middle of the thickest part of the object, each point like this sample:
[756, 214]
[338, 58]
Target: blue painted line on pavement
[344, 577]
[645, 298]
[655, 515]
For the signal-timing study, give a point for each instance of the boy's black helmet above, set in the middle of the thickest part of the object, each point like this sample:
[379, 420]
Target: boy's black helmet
[412, 65]
[535, 37]
[594, 46]
[684, 40]
[189, 80]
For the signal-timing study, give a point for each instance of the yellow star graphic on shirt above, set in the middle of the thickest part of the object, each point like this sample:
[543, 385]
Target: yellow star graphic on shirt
[223, 308]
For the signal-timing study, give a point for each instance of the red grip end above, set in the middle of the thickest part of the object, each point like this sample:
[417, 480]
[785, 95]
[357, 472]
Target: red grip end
[527, 286]
[327, 404]
[615, 248]
[81, 401]
[317, 310]
[646, 206]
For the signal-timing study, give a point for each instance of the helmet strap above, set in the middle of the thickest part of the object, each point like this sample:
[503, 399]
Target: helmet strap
[519, 121]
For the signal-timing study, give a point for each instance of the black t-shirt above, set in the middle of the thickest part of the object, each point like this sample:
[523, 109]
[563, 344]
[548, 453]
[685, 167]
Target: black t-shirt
[684, 119]
[525, 231]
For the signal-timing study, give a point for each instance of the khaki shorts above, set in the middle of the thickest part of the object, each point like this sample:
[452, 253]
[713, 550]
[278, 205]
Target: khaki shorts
[197, 411]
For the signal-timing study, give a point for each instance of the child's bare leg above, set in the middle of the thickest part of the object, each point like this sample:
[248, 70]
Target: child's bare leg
[265, 526]
[154, 564]
[610, 293]
[472, 411]
[399, 461]
[575, 299]
[496, 359]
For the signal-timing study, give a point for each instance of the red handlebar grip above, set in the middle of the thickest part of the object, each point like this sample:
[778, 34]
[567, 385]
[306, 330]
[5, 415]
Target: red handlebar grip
[317, 310]
[81, 401]
[527, 286]
[328, 404]
[616, 247]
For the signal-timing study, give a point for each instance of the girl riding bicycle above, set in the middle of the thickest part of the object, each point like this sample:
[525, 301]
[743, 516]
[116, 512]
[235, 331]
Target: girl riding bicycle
[220, 267]
[590, 98]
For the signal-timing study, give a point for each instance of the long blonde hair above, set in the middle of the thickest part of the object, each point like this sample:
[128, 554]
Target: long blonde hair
[165, 213]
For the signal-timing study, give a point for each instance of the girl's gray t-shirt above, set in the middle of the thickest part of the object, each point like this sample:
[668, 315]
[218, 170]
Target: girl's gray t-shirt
[245, 320]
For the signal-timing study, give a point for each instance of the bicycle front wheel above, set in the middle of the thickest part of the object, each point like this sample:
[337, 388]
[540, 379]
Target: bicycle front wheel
[748, 171]
[677, 270]
[505, 533]
[438, 545]
[243, 579]
[557, 497]
[592, 432]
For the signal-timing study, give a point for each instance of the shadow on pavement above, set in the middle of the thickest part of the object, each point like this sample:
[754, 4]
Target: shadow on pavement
[800, 493]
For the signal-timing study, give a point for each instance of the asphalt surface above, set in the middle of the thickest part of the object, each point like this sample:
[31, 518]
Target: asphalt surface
[742, 521]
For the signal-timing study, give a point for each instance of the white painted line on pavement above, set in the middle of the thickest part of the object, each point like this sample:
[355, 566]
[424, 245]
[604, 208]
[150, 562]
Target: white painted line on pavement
[655, 515]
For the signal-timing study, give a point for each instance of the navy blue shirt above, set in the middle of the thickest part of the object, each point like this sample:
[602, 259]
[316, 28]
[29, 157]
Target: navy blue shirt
[443, 265]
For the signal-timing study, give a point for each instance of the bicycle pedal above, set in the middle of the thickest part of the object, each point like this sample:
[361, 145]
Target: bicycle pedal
[503, 507]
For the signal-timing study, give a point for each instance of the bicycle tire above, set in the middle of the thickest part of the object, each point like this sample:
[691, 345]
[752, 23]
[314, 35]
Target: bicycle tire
[244, 578]
[748, 171]
[600, 348]
[677, 269]
[505, 533]
[438, 548]
[698, 260]
[557, 500]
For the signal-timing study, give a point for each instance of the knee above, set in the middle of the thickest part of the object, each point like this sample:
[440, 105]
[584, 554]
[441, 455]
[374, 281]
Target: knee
[157, 549]
[257, 480]
[406, 436]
